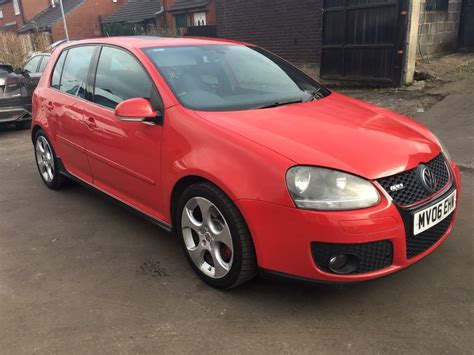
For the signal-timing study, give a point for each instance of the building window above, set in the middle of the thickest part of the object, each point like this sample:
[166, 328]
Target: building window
[16, 7]
[200, 19]
[437, 5]
[1, 13]
[181, 21]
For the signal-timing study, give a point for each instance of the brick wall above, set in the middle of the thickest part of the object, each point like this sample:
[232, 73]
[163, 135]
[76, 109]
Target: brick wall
[289, 28]
[32, 7]
[211, 17]
[83, 22]
[168, 22]
[439, 30]
[9, 15]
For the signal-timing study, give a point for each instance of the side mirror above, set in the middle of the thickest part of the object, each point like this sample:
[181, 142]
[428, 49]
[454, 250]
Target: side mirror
[137, 110]
[19, 71]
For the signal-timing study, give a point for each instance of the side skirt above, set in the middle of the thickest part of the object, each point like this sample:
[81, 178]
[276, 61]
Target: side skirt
[62, 170]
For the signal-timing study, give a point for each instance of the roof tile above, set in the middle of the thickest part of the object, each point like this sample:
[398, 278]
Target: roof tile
[135, 11]
[188, 4]
[46, 18]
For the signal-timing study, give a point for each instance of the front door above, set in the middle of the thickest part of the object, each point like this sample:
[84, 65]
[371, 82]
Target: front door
[124, 156]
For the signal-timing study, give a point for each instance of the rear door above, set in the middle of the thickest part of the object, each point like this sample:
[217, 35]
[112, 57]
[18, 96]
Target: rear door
[124, 156]
[65, 103]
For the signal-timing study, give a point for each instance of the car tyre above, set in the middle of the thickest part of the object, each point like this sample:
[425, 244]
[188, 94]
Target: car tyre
[47, 162]
[215, 237]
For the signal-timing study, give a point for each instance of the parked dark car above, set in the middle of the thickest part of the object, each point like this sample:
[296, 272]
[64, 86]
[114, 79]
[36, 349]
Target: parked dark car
[15, 98]
[16, 88]
[33, 69]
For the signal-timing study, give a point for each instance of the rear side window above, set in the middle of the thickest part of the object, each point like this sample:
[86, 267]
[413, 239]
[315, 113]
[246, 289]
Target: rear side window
[43, 64]
[32, 65]
[76, 69]
[56, 78]
[119, 77]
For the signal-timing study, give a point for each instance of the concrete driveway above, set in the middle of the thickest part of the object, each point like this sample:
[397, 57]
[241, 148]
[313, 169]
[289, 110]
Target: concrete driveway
[78, 274]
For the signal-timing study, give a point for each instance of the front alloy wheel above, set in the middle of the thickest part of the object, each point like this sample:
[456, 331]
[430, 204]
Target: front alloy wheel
[215, 237]
[207, 237]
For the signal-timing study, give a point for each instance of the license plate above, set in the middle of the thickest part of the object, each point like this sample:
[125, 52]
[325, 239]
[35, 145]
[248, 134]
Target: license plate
[434, 214]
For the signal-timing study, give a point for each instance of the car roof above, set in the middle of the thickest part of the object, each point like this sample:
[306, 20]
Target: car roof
[138, 42]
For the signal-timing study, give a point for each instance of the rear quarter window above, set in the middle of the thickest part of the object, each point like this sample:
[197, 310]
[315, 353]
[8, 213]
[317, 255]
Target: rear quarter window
[58, 68]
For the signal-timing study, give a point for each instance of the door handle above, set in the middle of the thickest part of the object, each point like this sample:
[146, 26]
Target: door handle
[50, 106]
[90, 122]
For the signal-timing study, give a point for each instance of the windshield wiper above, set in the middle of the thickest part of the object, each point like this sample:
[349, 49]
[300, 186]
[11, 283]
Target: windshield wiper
[314, 95]
[280, 103]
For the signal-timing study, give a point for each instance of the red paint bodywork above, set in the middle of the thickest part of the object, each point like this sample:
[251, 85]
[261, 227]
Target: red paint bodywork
[246, 154]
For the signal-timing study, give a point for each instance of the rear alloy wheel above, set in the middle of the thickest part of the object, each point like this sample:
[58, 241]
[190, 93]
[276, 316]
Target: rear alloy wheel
[215, 237]
[47, 162]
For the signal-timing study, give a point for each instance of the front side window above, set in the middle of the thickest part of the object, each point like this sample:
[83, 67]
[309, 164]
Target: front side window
[119, 77]
[76, 69]
[32, 65]
[231, 77]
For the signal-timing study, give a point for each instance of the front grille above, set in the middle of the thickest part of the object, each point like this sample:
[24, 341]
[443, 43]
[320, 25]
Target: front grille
[371, 256]
[413, 190]
[417, 244]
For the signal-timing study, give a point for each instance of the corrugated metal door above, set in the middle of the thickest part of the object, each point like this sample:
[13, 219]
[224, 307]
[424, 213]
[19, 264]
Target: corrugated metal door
[364, 40]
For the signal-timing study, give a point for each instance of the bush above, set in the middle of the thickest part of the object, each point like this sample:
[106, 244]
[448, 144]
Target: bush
[15, 49]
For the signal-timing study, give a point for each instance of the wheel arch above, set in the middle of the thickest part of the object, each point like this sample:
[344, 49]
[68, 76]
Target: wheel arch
[182, 184]
[35, 130]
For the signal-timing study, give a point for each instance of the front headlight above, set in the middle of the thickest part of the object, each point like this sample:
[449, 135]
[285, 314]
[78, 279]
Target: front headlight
[315, 188]
[443, 147]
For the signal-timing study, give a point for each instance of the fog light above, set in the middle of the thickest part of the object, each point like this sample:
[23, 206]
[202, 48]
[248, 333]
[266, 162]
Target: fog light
[343, 263]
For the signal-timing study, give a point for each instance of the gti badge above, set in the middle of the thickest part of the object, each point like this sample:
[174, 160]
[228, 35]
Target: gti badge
[427, 178]
[397, 187]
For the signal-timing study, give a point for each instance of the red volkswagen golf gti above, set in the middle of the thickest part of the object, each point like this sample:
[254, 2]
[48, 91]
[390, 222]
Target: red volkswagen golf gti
[253, 163]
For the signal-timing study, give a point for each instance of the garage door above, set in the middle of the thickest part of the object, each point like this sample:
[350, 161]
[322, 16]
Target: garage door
[363, 40]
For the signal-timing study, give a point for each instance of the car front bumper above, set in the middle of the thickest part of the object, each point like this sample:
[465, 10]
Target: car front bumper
[15, 109]
[286, 238]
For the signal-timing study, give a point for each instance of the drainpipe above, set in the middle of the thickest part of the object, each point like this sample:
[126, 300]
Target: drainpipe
[408, 74]
[64, 20]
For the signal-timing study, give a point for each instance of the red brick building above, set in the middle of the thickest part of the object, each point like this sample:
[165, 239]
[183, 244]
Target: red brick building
[83, 18]
[165, 16]
[11, 16]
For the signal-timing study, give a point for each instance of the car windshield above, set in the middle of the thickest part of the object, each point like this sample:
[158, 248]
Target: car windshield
[232, 77]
